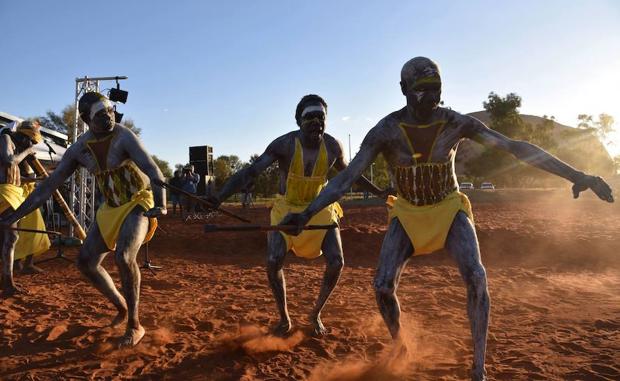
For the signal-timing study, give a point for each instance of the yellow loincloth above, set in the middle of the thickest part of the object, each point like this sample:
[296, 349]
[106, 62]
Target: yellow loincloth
[31, 243]
[308, 243]
[11, 196]
[110, 219]
[428, 226]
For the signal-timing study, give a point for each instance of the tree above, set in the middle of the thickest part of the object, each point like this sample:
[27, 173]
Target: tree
[64, 122]
[129, 123]
[604, 126]
[163, 165]
[542, 135]
[380, 174]
[492, 164]
[267, 182]
[585, 121]
[224, 167]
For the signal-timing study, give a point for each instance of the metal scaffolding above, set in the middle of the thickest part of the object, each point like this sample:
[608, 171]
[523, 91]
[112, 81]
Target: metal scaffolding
[83, 185]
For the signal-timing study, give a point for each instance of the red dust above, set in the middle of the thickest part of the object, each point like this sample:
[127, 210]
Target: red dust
[553, 271]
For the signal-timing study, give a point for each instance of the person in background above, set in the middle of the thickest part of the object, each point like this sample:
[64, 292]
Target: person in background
[175, 197]
[189, 183]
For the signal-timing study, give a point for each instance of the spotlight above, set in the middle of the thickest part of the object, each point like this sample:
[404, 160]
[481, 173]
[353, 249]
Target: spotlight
[118, 95]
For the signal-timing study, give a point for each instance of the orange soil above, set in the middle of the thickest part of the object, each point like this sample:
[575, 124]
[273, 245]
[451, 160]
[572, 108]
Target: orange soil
[553, 270]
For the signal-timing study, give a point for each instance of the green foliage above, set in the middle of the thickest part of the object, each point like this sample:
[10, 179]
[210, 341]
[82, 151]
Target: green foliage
[129, 123]
[163, 165]
[224, 167]
[64, 121]
[380, 175]
[267, 183]
[501, 167]
[600, 128]
[585, 121]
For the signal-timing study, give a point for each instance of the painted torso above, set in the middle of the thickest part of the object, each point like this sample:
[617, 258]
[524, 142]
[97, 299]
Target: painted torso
[284, 150]
[421, 156]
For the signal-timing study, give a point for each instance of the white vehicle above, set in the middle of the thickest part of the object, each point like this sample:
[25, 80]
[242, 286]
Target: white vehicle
[487, 186]
[466, 186]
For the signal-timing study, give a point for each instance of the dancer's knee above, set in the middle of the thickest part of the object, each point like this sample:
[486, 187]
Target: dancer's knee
[274, 262]
[11, 237]
[335, 263]
[476, 280]
[384, 290]
[84, 263]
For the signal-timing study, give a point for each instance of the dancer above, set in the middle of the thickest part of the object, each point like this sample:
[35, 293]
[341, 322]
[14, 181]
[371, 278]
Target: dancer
[419, 143]
[126, 218]
[14, 148]
[304, 157]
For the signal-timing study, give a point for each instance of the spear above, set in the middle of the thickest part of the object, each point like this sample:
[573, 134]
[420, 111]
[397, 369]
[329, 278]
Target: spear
[41, 172]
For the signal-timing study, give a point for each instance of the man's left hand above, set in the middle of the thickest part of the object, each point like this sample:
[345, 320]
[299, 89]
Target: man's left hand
[598, 186]
[155, 212]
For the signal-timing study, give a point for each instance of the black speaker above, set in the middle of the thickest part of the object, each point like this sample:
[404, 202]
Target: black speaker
[201, 157]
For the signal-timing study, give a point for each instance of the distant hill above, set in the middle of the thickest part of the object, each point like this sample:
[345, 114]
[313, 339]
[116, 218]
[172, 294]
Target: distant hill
[577, 147]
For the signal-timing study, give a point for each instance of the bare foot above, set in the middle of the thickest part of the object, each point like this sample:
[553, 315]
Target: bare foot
[318, 327]
[283, 327]
[32, 269]
[13, 289]
[120, 317]
[131, 337]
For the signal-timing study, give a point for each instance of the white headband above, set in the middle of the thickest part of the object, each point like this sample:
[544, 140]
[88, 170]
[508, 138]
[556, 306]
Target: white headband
[102, 104]
[313, 108]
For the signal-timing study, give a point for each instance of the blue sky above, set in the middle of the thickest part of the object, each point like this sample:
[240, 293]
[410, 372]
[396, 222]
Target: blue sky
[229, 74]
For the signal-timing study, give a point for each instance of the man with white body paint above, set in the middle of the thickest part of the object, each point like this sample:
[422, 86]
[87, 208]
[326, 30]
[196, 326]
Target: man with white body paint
[127, 217]
[419, 143]
[304, 157]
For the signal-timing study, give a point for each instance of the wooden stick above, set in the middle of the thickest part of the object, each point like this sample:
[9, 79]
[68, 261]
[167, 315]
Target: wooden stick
[265, 228]
[31, 180]
[40, 171]
[202, 201]
[31, 230]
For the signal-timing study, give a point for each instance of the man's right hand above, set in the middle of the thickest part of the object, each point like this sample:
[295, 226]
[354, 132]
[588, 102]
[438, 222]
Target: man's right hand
[298, 220]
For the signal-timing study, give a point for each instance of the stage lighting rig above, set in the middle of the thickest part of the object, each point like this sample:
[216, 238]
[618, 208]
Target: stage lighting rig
[118, 95]
[117, 116]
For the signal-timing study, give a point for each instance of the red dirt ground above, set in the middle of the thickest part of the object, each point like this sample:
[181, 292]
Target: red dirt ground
[554, 274]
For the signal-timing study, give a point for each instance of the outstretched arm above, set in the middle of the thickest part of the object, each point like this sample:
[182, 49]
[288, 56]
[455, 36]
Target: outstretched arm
[537, 157]
[247, 175]
[338, 186]
[44, 190]
[144, 161]
[362, 181]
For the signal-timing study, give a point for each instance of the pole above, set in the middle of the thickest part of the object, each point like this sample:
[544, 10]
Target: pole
[371, 173]
[40, 171]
